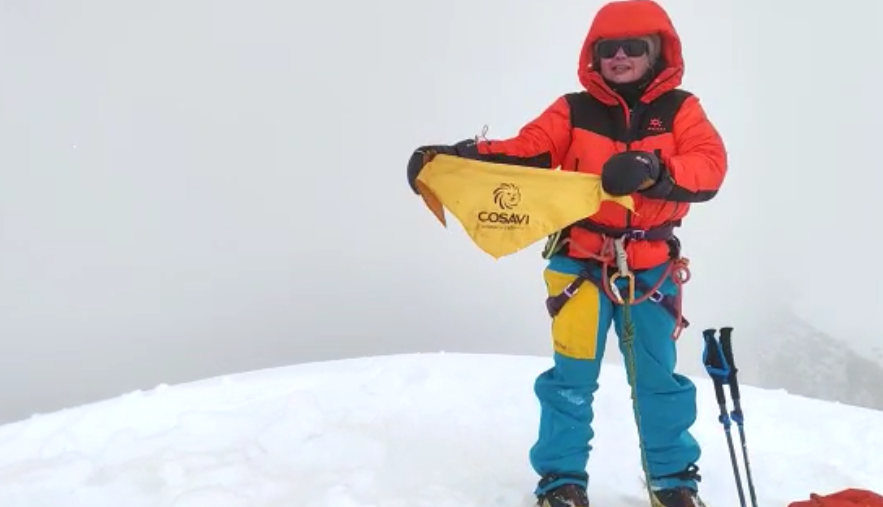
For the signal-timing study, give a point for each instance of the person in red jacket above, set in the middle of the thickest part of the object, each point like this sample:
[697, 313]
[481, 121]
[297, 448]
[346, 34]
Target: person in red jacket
[646, 137]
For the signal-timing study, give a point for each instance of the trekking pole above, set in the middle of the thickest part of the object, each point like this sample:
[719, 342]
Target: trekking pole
[738, 415]
[716, 365]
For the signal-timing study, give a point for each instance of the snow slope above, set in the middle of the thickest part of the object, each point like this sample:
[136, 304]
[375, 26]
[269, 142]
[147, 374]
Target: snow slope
[439, 430]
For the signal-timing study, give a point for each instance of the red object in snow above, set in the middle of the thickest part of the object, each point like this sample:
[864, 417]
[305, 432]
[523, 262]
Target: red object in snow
[851, 497]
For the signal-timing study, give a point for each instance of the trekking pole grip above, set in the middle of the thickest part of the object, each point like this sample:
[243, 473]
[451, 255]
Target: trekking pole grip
[715, 365]
[727, 346]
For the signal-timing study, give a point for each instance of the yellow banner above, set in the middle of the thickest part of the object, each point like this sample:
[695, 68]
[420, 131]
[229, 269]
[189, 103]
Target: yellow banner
[506, 208]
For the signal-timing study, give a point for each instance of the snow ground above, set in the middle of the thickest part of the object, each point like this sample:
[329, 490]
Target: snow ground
[440, 430]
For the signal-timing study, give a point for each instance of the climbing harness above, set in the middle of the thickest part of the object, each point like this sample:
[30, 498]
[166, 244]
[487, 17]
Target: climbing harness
[677, 269]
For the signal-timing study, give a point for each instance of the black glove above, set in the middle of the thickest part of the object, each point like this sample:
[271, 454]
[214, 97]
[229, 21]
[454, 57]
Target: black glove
[424, 154]
[629, 172]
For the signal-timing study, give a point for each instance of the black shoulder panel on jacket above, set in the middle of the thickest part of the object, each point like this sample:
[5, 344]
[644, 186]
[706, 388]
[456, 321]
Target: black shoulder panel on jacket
[589, 113]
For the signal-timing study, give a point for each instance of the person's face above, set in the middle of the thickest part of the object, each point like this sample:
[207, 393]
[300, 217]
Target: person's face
[624, 60]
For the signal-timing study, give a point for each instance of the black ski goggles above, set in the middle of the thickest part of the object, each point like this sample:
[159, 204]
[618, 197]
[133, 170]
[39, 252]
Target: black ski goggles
[632, 48]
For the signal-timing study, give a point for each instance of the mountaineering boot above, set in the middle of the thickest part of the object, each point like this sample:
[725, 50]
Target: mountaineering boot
[677, 497]
[566, 495]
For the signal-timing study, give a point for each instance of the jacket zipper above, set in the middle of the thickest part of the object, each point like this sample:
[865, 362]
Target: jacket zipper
[629, 121]
[629, 136]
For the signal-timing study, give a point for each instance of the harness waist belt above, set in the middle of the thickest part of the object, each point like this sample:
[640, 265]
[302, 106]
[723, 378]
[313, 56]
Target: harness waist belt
[662, 232]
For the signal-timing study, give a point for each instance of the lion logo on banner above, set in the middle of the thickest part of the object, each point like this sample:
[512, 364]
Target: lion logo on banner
[507, 196]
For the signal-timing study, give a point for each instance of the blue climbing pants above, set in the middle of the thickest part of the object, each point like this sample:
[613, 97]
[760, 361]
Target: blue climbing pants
[666, 400]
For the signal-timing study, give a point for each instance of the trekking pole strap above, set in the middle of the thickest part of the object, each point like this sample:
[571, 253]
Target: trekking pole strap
[727, 348]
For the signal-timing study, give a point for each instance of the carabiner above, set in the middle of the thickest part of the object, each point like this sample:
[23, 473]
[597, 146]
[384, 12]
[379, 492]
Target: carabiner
[622, 264]
[630, 288]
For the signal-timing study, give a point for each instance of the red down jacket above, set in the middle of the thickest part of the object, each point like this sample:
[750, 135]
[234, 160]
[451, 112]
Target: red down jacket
[580, 131]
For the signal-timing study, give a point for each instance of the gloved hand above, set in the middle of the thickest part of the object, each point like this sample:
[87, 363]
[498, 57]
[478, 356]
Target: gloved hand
[629, 172]
[422, 155]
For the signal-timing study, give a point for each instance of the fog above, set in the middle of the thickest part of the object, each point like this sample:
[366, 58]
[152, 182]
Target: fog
[192, 189]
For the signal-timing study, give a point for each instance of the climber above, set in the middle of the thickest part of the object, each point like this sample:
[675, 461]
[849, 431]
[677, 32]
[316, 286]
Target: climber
[646, 137]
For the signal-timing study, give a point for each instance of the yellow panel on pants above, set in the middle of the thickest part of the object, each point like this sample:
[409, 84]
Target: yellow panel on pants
[575, 328]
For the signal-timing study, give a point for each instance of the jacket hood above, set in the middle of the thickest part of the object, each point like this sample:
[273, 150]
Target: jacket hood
[632, 18]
